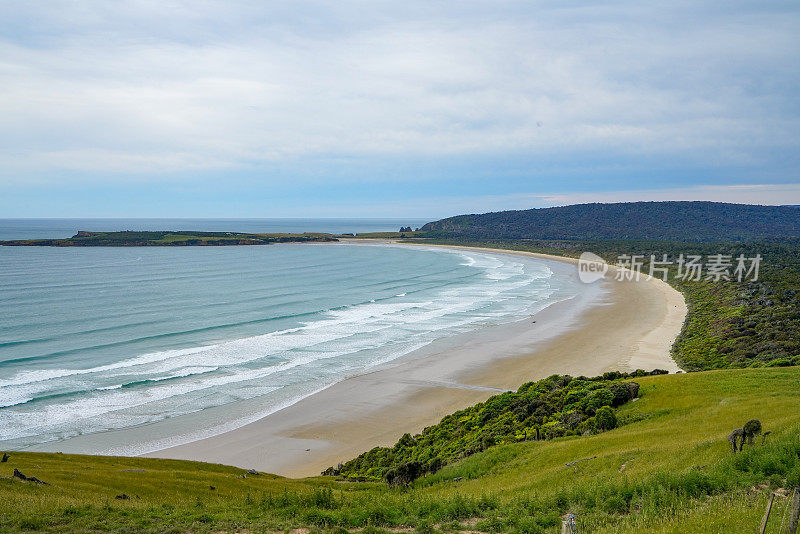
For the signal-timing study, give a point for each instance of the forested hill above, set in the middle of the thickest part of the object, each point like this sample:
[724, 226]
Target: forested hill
[681, 221]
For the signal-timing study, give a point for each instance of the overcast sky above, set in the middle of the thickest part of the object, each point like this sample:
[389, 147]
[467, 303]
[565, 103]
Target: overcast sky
[370, 108]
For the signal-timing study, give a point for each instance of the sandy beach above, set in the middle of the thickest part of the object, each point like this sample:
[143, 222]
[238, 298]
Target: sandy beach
[631, 326]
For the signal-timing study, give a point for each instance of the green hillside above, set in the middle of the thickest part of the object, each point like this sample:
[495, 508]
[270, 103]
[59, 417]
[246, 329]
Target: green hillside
[550, 408]
[519, 461]
[683, 221]
[670, 469]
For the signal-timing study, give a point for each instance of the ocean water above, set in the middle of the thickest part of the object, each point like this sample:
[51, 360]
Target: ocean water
[95, 339]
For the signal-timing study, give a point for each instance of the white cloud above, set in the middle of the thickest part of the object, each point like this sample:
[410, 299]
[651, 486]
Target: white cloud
[167, 87]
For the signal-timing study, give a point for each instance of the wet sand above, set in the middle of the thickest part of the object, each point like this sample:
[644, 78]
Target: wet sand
[631, 325]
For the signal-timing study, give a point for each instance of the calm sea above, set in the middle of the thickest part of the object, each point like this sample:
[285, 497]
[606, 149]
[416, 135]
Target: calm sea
[93, 339]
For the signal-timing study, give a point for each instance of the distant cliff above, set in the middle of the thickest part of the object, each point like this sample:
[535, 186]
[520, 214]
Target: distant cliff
[680, 221]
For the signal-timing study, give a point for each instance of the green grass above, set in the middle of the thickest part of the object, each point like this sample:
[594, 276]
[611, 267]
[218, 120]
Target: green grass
[553, 407]
[679, 476]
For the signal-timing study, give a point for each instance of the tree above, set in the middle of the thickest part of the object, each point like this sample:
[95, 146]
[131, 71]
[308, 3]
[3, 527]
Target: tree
[751, 429]
[736, 439]
[404, 474]
[598, 399]
[621, 394]
[747, 433]
[605, 419]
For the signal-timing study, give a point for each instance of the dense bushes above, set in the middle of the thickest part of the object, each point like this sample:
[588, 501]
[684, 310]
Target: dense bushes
[554, 407]
[605, 419]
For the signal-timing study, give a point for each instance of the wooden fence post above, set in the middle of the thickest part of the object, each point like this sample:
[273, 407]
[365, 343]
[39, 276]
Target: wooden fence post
[766, 514]
[795, 513]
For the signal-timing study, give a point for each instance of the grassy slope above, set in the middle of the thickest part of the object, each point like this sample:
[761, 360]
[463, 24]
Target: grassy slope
[553, 407]
[679, 476]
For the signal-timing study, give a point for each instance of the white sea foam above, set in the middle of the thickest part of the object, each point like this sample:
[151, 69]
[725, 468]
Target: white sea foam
[327, 347]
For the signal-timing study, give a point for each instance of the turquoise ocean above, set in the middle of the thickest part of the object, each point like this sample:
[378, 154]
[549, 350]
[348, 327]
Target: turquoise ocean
[96, 339]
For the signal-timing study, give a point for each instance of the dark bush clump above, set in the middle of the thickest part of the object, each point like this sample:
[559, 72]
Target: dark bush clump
[605, 419]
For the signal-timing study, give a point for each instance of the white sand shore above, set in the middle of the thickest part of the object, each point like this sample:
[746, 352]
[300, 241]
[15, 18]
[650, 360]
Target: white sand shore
[633, 327]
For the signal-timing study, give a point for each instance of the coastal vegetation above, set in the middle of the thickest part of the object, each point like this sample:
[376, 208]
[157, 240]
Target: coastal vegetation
[129, 238]
[730, 323]
[683, 221]
[669, 469]
[554, 407]
[518, 461]
[168, 238]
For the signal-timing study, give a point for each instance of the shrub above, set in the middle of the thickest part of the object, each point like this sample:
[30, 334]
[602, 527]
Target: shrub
[751, 429]
[605, 418]
[404, 473]
[598, 399]
[780, 362]
[621, 394]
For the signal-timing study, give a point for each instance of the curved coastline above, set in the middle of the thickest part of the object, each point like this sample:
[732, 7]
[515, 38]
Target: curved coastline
[643, 322]
[632, 326]
[611, 325]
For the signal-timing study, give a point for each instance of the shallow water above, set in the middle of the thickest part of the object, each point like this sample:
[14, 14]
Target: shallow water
[93, 339]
